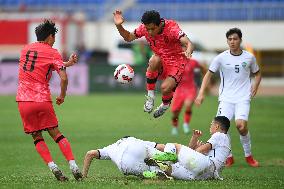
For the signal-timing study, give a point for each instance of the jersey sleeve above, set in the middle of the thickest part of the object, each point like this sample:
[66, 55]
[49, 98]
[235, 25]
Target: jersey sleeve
[140, 31]
[215, 64]
[214, 140]
[176, 32]
[58, 62]
[254, 66]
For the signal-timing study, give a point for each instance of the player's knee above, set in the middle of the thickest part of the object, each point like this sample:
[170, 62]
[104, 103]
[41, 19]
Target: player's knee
[241, 127]
[166, 88]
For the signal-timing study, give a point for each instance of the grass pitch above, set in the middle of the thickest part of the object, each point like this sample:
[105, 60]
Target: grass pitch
[91, 122]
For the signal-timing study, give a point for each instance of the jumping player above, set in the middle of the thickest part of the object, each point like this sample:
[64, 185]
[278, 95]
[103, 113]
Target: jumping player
[168, 62]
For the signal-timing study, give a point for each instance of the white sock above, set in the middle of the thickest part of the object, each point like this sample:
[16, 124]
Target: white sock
[170, 147]
[51, 165]
[73, 164]
[245, 140]
[151, 93]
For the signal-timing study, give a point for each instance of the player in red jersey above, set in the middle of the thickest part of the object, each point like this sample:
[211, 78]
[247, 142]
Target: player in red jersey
[185, 95]
[37, 62]
[168, 62]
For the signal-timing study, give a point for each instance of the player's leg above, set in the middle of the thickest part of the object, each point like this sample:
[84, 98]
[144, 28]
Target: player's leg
[66, 150]
[241, 116]
[227, 109]
[36, 117]
[152, 73]
[187, 115]
[44, 152]
[176, 107]
[167, 88]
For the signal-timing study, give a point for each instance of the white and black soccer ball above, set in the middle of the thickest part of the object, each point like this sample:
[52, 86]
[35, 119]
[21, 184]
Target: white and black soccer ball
[123, 73]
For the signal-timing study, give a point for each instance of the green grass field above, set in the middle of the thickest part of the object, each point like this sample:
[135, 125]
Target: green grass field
[91, 122]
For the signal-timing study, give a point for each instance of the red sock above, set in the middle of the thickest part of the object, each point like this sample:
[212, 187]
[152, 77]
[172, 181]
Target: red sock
[43, 150]
[187, 116]
[151, 79]
[167, 98]
[175, 122]
[65, 147]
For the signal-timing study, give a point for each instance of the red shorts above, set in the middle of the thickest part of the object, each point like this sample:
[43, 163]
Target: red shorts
[180, 96]
[175, 71]
[37, 116]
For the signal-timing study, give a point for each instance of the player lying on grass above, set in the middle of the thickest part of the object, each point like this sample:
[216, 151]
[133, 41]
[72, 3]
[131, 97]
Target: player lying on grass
[196, 161]
[128, 154]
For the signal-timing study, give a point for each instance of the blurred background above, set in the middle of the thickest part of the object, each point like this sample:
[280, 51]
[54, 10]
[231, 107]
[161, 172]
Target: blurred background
[86, 27]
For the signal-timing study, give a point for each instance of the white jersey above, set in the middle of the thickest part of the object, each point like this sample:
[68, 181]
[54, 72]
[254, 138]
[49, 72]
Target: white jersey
[193, 165]
[235, 73]
[221, 149]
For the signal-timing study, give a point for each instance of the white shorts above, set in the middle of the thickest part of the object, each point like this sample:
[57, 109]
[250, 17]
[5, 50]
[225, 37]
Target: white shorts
[238, 110]
[128, 154]
[180, 172]
[194, 161]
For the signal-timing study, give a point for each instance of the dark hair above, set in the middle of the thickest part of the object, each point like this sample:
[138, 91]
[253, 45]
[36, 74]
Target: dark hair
[45, 29]
[150, 17]
[234, 30]
[224, 122]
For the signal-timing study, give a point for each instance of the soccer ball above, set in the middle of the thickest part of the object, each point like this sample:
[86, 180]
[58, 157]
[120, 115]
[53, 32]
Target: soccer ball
[123, 73]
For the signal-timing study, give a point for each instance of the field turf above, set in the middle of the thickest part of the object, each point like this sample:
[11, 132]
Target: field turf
[91, 122]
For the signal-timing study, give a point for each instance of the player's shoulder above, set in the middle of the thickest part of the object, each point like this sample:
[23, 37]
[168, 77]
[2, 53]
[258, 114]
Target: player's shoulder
[248, 54]
[225, 53]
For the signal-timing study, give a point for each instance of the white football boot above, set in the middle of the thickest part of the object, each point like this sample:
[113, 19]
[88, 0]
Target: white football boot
[149, 104]
[159, 111]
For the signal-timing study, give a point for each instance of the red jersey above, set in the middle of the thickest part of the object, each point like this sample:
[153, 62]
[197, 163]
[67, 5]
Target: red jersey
[166, 45]
[187, 81]
[37, 62]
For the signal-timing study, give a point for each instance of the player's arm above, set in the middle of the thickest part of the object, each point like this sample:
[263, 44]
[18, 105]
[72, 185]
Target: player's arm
[73, 59]
[204, 149]
[257, 79]
[203, 68]
[63, 85]
[184, 40]
[90, 155]
[118, 20]
[193, 143]
[201, 95]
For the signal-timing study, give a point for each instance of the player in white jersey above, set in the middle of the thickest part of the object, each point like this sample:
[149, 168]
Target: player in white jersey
[236, 90]
[199, 161]
[127, 153]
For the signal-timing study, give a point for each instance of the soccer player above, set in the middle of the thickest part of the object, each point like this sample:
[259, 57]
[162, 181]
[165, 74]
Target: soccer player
[185, 94]
[127, 153]
[37, 61]
[168, 62]
[197, 161]
[236, 90]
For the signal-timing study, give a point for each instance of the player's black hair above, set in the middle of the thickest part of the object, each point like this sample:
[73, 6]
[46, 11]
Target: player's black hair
[150, 17]
[234, 30]
[223, 121]
[45, 29]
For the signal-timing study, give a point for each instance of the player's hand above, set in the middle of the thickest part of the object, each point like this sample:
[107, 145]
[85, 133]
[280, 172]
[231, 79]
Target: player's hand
[117, 17]
[199, 99]
[199, 143]
[59, 100]
[197, 133]
[73, 59]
